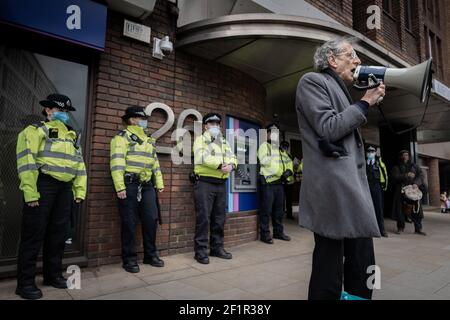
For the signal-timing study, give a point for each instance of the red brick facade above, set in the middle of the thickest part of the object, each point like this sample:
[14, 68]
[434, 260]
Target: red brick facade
[127, 74]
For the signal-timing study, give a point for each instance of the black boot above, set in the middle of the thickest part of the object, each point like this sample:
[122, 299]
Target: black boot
[154, 261]
[132, 267]
[220, 253]
[58, 282]
[30, 292]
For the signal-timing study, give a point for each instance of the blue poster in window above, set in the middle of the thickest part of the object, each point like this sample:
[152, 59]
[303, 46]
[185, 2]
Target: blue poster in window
[79, 21]
[242, 185]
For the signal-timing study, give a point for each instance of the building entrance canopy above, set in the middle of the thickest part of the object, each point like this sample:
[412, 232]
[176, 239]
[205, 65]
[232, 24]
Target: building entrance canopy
[278, 49]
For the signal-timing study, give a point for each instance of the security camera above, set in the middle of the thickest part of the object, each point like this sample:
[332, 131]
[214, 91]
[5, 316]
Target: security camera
[166, 45]
[162, 47]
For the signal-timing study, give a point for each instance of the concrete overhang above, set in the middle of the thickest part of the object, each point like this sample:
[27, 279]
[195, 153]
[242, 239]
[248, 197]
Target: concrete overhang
[277, 50]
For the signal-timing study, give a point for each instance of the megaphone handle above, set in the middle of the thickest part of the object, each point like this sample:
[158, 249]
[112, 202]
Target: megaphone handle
[379, 101]
[376, 83]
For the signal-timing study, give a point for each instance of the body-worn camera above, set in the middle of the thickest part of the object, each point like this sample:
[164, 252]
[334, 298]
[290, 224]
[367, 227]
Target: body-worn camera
[286, 174]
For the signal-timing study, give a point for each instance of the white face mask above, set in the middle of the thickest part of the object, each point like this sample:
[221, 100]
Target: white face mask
[214, 131]
[274, 136]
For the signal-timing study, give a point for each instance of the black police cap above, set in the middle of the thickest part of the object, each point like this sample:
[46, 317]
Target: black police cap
[371, 148]
[134, 112]
[213, 116]
[56, 100]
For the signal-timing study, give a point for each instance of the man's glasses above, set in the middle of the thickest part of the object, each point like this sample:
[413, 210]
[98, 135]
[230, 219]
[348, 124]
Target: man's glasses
[351, 54]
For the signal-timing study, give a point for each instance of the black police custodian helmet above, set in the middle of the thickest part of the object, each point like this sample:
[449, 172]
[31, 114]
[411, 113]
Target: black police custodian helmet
[212, 117]
[56, 100]
[134, 111]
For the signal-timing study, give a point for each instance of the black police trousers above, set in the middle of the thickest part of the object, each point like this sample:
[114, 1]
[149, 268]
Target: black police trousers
[272, 206]
[130, 210]
[377, 198]
[288, 190]
[45, 225]
[210, 206]
[337, 262]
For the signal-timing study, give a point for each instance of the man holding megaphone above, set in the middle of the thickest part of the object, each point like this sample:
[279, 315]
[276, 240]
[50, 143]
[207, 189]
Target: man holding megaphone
[333, 152]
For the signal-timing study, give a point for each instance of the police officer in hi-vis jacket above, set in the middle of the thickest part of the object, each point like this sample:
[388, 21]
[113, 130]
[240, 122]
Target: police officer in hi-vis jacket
[52, 174]
[214, 161]
[275, 171]
[136, 174]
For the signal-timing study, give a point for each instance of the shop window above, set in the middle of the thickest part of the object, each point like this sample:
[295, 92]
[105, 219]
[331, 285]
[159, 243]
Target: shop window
[26, 78]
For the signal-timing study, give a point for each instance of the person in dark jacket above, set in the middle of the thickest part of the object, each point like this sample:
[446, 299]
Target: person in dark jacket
[406, 173]
[378, 180]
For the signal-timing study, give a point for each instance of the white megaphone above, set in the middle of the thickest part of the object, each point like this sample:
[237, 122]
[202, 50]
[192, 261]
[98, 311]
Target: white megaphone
[416, 80]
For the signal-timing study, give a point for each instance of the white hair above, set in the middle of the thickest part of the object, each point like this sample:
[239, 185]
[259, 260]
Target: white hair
[329, 48]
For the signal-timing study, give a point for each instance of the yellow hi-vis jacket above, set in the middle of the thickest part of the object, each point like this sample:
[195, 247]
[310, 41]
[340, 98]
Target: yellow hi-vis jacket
[133, 151]
[289, 165]
[53, 149]
[273, 162]
[383, 175]
[210, 155]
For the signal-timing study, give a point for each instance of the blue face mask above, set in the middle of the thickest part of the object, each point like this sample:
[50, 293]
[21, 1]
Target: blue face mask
[143, 124]
[61, 116]
[371, 156]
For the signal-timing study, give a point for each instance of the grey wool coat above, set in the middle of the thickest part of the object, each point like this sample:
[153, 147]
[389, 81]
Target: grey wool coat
[335, 200]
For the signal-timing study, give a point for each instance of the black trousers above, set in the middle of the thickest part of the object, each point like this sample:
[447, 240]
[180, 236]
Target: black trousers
[416, 219]
[272, 205]
[337, 262]
[377, 198]
[130, 210]
[210, 207]
[45, 225]
[288, 189]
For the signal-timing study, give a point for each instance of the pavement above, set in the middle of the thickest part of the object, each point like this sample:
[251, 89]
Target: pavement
[413, 267]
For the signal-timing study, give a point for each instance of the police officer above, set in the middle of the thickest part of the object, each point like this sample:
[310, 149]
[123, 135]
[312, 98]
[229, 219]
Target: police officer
[289, 183]
[214, 161]
[52, 174]
[378, 179]
[274, 172]
[136, 174]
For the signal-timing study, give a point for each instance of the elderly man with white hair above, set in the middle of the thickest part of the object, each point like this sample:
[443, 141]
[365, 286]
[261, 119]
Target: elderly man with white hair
[345, 224]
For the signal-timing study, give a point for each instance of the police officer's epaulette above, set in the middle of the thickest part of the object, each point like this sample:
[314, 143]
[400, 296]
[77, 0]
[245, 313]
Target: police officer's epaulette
[122, 133]
[152, 141]
[38, 125]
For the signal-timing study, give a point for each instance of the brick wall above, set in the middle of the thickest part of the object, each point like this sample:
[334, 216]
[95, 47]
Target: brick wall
[126, 75]
[393, 35]
[446, 28]
[340, 10]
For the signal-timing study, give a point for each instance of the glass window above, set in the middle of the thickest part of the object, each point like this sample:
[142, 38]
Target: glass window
[25, 79]
[408, 15]
[387, 6]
